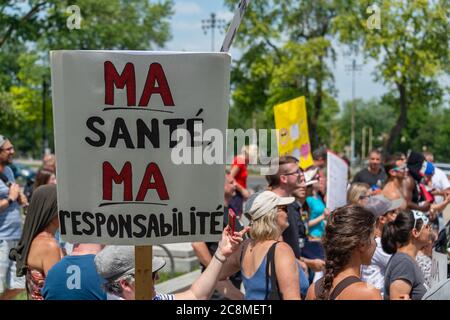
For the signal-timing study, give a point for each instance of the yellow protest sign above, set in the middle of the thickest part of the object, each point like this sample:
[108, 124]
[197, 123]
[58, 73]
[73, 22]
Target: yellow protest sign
[292, 124]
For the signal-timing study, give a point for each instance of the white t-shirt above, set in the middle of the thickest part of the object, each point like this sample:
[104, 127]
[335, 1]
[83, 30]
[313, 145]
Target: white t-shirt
[440, 182]
[374, 274]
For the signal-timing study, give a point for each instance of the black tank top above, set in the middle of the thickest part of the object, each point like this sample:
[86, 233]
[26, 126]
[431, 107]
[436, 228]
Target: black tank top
[341, 286]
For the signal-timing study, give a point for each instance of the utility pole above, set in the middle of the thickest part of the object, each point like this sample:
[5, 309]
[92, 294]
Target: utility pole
[353, 68]
[44, 122]
[212, 24]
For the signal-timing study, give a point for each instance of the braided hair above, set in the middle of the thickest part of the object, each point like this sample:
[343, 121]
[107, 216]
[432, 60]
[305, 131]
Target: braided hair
[347, 228]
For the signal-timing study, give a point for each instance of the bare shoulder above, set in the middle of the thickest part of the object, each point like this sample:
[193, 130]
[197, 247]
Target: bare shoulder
[283, 248]
[367, 291]
[311, 294]
[45, 246]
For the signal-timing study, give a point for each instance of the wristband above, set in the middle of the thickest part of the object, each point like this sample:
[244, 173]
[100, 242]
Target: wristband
[220, 257]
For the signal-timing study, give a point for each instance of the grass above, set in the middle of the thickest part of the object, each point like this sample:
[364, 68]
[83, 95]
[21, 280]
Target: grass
[164, 276]
[21, 296]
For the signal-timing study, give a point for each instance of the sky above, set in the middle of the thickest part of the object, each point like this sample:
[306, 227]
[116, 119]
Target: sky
[187, 35]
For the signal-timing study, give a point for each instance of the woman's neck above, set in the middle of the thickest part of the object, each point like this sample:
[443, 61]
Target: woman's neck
[410, 249]
[50, 229]
[353, 268]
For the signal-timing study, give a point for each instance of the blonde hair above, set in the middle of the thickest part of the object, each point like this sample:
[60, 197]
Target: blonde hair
[356, 190]
[266, 227]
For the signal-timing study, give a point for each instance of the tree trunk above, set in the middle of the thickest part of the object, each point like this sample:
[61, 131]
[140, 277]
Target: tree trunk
[401, 121]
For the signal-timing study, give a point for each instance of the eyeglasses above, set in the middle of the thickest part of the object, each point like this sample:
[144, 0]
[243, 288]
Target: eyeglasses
[298, 171]
[7, 149]
[284, 208]
[420, 215]
[362, 197]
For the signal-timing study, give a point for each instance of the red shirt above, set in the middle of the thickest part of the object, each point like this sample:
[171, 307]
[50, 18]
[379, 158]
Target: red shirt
[241, 177]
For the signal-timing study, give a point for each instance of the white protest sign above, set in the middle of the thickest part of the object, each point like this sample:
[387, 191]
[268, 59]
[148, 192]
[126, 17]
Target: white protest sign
[234, 26]
[115, 115]
[438, 268]
[337, 177]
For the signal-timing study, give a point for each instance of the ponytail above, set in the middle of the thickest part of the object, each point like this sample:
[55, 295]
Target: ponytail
[397, 234]
[388, 238]
[347, 228]
[328, 280]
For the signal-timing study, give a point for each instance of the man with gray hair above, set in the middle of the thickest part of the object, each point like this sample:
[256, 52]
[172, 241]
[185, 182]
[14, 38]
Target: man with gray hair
[116, 264]
[10, 222]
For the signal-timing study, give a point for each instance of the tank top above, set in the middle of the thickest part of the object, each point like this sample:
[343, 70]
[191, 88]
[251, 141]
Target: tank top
[341, 286]
[255, 286]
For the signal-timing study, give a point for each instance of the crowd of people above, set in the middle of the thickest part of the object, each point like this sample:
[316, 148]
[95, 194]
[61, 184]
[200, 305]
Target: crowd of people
[286, 244]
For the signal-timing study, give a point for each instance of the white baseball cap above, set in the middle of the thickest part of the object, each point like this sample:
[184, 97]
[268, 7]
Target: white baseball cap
[259, 204]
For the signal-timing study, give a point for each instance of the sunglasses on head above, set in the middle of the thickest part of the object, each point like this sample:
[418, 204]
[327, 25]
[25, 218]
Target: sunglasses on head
[420, 215]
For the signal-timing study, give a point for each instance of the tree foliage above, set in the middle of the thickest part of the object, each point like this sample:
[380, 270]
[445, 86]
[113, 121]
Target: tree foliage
[411, 49]
[30, 29]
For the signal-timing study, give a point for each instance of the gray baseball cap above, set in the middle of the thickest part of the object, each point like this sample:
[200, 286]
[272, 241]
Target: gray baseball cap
[114, 262]
[380, 205]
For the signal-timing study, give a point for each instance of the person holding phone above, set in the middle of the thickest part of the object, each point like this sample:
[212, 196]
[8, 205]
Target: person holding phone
[268, 215]
[228, 288]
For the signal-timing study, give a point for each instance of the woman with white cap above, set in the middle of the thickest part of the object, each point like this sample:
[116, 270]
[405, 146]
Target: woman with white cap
[268, 265]
[116, 264]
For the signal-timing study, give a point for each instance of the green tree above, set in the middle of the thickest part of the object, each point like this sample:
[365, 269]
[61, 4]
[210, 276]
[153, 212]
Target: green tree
[288, 49]
[411, 49]
[30, 30]
[374, 113]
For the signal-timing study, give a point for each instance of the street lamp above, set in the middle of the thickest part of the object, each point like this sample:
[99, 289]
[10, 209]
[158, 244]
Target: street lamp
[353, 68]
[212, 24]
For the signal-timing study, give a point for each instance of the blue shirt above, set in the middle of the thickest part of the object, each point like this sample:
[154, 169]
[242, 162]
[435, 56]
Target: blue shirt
[316, 209]
[10, 221]
[74, 278]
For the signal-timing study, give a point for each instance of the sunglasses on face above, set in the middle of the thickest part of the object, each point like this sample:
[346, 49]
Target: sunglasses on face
[400, 168]
[284, 208]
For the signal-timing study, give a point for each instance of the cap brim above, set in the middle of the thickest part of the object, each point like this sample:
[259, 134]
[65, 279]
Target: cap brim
[395, 204]
[285, 201]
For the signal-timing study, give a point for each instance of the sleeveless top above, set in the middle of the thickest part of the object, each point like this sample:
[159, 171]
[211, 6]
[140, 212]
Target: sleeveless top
[341, 286]
[255, 286]
[34, 283]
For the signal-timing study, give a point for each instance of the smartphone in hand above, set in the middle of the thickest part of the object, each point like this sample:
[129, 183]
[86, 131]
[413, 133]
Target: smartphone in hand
[232, 220]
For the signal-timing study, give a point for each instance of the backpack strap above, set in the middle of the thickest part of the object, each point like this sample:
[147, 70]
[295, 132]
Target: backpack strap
[274, 293]
[341, 286]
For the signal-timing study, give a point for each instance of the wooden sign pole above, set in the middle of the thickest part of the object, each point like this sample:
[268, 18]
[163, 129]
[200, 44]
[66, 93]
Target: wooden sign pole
[143, 274]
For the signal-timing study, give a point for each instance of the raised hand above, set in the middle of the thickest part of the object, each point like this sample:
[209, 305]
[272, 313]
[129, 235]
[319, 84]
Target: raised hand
[230, 243]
